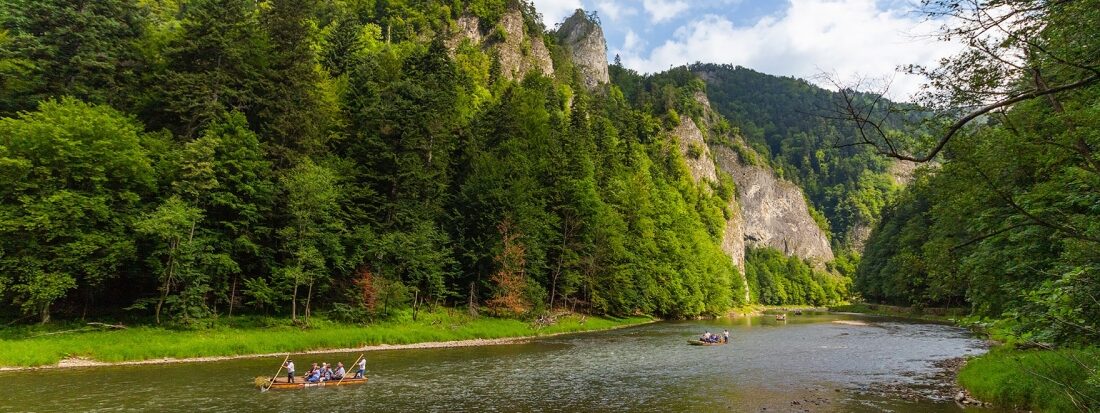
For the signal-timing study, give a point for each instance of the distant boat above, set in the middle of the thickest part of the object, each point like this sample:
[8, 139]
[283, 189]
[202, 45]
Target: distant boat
[780, 317]
[281, 383]
[704, 343]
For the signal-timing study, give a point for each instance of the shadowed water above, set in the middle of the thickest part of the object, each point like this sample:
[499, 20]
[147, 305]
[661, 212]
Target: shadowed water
[808, 363]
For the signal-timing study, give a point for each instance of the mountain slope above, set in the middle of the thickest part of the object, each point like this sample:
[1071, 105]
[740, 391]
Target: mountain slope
[783, 119]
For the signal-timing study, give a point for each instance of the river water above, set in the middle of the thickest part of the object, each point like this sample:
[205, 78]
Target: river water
[813, 362]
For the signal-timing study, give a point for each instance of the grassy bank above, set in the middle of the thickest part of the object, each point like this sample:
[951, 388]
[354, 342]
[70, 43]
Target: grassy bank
[1063, 380]
[234, 337]
[927, 314]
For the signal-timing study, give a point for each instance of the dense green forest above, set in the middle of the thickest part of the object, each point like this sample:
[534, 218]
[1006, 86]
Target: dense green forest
[787, 120]
[181, 160]
[776, 279]
[1009, 222]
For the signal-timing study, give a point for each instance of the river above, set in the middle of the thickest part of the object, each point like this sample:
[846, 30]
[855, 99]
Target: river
[812, 362]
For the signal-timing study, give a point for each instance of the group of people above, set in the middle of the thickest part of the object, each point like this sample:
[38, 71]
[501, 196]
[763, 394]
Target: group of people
[708, 337]
[325, 372]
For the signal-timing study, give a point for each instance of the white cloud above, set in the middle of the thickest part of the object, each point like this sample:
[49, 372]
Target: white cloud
[613, 9]
[555, 11]
[661, 10]
[632, 41]
[848, 37]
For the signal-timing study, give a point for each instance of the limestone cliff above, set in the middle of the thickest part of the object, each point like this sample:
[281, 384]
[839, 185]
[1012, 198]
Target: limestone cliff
[583, 37]
[700, 163]
[774, 210]
[902, 171]
[696, 153]
[767, 212]
[520, 53]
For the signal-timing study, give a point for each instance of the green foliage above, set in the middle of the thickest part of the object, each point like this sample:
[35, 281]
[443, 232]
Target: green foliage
[781, 118]
[215, 65]
[300, 145]
[52, 48]
[1008, 223]
[73, 176]
[233, 336]
[776, 279]
[1062, 380]
[313, 232]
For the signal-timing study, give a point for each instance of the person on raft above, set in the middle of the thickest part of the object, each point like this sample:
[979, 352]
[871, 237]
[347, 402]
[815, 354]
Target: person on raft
[362, 368]
[314, 375]
[339, 373]
[725, 336]
[289, 371]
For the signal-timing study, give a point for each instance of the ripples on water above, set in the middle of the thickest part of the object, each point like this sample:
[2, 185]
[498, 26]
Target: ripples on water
[807, 363]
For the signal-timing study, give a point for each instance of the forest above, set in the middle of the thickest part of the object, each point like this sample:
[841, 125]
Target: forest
[790, 122]
[182, 160]
[1004, 221]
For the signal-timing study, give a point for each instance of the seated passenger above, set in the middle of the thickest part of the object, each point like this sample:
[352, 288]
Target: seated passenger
[339, 373]
[314, 376]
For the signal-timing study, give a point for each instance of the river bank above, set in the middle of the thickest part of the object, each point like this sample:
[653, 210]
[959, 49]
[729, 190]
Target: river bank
[1045, 380]
[943, 315]
[154, 345]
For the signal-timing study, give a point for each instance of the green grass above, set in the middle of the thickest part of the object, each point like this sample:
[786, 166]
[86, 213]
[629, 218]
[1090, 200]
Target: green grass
[244, 336]
[1063, 380]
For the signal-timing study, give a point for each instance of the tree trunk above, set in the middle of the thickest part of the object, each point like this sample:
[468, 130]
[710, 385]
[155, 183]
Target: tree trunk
[309, 296]
[232, 295]
[45, 313]
[294, 303]
[471, 301]
[167, 278]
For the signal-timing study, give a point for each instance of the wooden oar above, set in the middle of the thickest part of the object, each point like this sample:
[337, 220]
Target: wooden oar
[276, 376]
[346, 370]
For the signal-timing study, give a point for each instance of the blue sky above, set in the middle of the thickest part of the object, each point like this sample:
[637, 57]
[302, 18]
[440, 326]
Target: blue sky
[801, 38]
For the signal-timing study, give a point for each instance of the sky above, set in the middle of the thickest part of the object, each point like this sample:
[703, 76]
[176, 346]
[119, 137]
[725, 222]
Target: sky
[848, 39]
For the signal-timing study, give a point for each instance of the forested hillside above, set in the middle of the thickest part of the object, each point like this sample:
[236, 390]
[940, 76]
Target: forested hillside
[181, 160]
[1009, 223]
[787, 121]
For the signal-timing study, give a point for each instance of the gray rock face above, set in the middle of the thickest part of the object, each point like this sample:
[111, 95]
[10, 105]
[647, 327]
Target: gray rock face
[858, 235]
[695, 150]
[768, 211]
[519, 53]
[702, 169]
[774, 210]
[584, 40]
[733, 243]
[466, 29]
[902, 171]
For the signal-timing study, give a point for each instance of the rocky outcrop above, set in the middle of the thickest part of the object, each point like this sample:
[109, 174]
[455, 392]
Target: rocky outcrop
[774, 210]
[700, 164]
[583, 37]
[695, 150]
[467, 27]
[733, 243]
[858, 235]
[520, 53]
[768, 211]
[902, 171]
